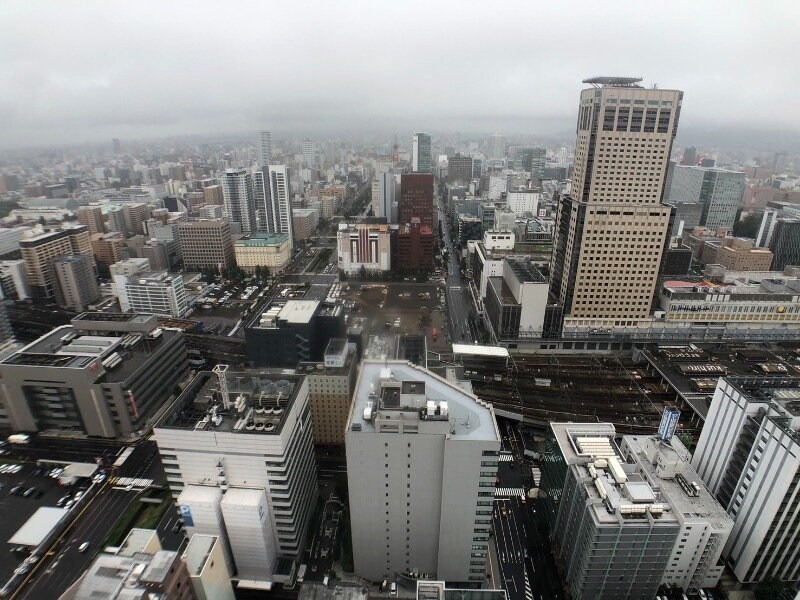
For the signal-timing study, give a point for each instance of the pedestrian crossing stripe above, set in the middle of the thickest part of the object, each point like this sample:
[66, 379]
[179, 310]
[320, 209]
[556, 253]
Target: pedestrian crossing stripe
[528, 590]
[132, 481]
[503, 492]
[506, 457]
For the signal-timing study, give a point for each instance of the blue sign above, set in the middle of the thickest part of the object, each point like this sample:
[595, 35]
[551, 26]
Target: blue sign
[186, 515]
[669, 424]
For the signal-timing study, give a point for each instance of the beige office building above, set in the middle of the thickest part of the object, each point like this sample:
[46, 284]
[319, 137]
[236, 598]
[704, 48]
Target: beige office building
[205, 243]
[611, 230]
[271, 250]
[40, 250]
[92, 217]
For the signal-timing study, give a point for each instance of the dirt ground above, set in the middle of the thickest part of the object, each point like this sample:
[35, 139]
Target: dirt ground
[418, 306]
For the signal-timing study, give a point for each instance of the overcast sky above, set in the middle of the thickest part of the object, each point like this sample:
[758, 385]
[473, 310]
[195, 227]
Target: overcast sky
[83, 71]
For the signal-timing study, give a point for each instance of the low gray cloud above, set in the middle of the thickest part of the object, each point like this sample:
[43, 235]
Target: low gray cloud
[76, 71]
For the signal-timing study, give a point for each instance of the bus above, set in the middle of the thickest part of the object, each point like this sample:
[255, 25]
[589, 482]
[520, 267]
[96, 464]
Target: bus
[19, 438]
[301, 573]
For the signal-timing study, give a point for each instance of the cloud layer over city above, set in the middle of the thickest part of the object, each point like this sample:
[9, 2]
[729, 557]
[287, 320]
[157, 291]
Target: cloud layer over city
[78, 71]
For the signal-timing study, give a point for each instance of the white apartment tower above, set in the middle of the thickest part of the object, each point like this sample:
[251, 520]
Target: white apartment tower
[421, 153]
[422, 457]
[611, 229]
[385, 197]
[273, 200]
[238, 451]
[237, 190]
[264, 148]
[748, 455]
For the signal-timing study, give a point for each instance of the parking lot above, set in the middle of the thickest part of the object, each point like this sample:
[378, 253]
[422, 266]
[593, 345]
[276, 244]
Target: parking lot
[22, 493]
[405, 308]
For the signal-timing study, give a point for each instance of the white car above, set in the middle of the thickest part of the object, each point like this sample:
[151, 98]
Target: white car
[4, 468]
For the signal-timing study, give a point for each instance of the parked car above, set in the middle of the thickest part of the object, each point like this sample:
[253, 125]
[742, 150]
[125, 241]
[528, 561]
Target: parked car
[83, 547]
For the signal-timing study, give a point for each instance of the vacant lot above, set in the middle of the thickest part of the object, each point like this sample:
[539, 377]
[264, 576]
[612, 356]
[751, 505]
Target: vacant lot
[418, 306]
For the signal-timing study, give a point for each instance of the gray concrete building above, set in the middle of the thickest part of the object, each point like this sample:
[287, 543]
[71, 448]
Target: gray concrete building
[422, 456]
[748, 455]
[77, 284]
[720, 191]
[104, 375]
[612, 532]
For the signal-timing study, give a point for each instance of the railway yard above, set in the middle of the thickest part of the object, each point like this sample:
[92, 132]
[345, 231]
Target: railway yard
[584, 388]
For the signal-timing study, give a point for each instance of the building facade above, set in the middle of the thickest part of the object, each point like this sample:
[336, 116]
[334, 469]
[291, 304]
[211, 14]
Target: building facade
[748, 455]
[242, 442]
[40, 250]
[422, 458]
[104, 375]
[273, 201]
[271, 250]
[239, 196]
[304, 222]
[421, 153]
[417, 198]
[330, 390]
[611, 230]
[159, 293]
[206, 243]
[719, 191]
[414, 246]
[364, 247]
[785, 244]
[77, 283]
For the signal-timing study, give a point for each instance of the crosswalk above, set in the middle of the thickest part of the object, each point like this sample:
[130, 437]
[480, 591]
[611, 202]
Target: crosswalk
[528, 590]
[506, 457]
[504, 492]
[130, 482]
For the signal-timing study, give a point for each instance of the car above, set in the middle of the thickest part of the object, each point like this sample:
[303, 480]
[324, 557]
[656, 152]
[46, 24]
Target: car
[62, 501]
[176, 528]
[78, 495]
[4, 468]
[28, 492]
[14, 490]
[69, 504]
[83, 547]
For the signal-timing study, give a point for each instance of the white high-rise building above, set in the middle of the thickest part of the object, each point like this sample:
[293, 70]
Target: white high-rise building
[264, 148]
[421, 153]
[245, 440]
[422, 456]
[748, 455]
[273, 199]
[240, 207]
[383, 195]
[496, 146]
[309, 150]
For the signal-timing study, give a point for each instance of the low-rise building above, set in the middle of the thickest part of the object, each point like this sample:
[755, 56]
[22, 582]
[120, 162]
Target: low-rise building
[364, 248]
[159, 293]
[304, 222]
[271, 250]
[104, 375]
[736, 254]
[516, 303]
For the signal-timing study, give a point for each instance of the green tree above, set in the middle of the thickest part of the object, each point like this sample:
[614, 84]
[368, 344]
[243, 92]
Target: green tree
[747, 227]
[362, 273]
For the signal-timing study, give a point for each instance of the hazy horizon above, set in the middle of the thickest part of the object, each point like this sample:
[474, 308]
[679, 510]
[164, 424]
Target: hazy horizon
[87, 72]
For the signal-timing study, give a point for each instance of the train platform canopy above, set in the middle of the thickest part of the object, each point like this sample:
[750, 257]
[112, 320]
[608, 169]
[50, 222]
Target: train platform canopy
[38, 527]
[476, 350]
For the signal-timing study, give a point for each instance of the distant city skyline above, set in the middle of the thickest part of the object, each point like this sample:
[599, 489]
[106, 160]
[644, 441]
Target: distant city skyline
[78, 73]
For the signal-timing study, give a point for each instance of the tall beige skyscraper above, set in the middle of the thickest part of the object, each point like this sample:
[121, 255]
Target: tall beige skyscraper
[611, 229]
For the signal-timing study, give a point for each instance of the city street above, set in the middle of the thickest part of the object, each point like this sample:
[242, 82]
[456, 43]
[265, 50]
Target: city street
[526, 567]
[459, 304]
[63, 564]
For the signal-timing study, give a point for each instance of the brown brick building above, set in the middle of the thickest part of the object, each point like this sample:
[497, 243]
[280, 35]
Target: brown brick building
[414, 246]
[416, 198]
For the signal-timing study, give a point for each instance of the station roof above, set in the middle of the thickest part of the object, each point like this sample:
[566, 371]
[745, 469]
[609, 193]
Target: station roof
[477, 350]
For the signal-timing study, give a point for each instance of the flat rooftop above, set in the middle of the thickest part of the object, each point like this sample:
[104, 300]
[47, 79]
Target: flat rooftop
[678, 490]
[263, 239]
[256, 402]
[616, 491]
[470, 417]
[65, 347]
[525, 271]
[198, 551]
[693, 370]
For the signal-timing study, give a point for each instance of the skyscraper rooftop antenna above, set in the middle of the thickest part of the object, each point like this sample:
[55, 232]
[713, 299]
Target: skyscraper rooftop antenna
[600, 82]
